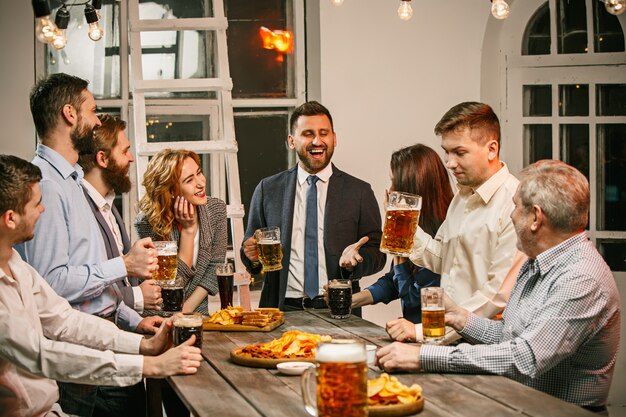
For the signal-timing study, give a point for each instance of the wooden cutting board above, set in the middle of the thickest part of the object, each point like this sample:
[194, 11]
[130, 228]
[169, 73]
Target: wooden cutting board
[241, 327]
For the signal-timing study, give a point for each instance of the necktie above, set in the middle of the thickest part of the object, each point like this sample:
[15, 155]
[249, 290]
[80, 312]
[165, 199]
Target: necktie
[311, 279]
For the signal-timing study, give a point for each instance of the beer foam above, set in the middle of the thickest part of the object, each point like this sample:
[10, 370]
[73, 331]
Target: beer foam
[433, 308]
[339, 284]
[188, 320]
[267, 242]
[341, 352]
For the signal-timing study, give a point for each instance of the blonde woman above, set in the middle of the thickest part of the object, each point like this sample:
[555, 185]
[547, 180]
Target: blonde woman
[176, 207]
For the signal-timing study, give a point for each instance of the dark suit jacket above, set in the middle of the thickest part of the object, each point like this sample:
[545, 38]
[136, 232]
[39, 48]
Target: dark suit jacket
[351, 212]
[112, 251]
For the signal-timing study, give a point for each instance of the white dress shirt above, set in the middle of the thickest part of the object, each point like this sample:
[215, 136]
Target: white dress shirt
[104, 205]
[295, 283]
[43, 339]
[475, 245]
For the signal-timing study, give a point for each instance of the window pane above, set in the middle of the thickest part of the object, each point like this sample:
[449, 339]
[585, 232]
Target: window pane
[572, 26]
[98, 62]
[171, 9]
[537, 143]
[177, 128]
[608, 34]
[537, 34]
[575, 146]
[537, 100]
[611, 100]
[614, 253]
[612, 177]
[574, 100]
[258, 72]
[262, 149]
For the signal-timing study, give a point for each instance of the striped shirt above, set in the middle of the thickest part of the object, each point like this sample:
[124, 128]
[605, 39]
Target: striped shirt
[560, 330]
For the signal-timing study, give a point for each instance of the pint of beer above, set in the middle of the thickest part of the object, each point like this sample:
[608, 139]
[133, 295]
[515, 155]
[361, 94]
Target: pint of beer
[341, 380]
[433, 315]
[173, 296]
[403, 212]
[225, 279]
[269, 248]
[340, 298]
[185, 325]
[167, 253]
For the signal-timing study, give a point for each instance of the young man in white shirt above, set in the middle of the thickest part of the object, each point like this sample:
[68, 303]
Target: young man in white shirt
[474, 248]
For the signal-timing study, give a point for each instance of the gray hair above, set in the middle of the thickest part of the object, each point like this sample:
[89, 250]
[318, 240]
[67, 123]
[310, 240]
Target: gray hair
[560, 190]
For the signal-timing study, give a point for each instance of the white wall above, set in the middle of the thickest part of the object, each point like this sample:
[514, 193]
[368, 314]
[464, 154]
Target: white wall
[387, 82]
[17, 76]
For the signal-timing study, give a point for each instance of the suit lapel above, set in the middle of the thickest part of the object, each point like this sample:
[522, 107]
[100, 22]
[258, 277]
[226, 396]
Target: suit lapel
[107, 235]
[120, 224]
[333, 202]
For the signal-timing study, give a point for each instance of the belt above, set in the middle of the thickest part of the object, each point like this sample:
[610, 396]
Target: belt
[306, 302]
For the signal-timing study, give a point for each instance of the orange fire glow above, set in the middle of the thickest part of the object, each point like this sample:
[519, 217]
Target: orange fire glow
[279, 40]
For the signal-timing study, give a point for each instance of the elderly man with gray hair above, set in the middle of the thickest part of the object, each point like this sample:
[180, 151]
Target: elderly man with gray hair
[560, 330]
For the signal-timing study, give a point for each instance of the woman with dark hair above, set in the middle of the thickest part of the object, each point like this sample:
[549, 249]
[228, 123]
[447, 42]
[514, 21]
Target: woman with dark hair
[418, 170]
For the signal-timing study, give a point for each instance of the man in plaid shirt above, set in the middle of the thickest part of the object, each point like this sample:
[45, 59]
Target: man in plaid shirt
[560, 330]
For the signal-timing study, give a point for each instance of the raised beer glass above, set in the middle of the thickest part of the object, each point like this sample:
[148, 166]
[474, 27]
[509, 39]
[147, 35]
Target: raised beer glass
[225, 282]
[341, 373]
[167, 253]
[402, 215]
[433, 315]
[186, 325]
[269, 248]
[340, 298]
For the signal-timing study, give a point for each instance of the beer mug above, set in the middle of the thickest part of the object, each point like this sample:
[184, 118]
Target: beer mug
[269, 248]
[186, 325]
[341, 374]
[433, 315]
[173, 295]
[340, 298]
[167, 253]
[225, 282]
[403, 212]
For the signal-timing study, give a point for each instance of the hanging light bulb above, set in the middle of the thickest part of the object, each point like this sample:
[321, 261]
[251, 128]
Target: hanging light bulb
[61, 20]
[44, 26]
[337, 2]
[405, 11]
[615, 7]
[95, 31]
[97, 4]
[499, 9]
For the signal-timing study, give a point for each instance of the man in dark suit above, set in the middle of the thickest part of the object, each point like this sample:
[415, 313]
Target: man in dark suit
[106, 173]
[342, 243]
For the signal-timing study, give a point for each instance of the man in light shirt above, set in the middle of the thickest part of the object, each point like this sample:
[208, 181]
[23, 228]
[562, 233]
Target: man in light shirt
[474, 248]
[106, 173]
[560, 330]
[43, 338]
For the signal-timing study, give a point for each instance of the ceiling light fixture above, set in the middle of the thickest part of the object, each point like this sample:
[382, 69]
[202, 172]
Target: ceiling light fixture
[499, 9]
[405, 11]
[615, 7]
[55, 33]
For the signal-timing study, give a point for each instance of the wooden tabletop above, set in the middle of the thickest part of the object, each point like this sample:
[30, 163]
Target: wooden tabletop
[223, 388]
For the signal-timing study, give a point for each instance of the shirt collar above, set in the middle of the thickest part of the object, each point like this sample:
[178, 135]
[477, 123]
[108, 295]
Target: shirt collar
[106, 201]
[59, 163]
[489, 187]
[546, 260]
[323, 175]
[14, 265]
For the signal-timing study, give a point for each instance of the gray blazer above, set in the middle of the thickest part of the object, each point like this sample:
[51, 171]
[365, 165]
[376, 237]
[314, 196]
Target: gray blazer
[351, 212]
[212, 251]
[128, 296]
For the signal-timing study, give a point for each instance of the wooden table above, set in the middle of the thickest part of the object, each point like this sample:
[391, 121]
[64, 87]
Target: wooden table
[223, 388]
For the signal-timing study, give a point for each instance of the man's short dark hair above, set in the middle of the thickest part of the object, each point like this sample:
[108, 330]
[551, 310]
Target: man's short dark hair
[17, 177]
[310, 108]
[479, 118]
[48, 97]
[104, 138]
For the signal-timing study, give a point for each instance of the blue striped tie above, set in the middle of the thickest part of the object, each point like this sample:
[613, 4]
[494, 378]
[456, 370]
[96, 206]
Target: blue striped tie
[311, 279]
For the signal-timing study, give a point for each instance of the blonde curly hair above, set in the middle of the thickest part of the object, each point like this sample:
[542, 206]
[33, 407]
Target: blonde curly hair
[161, 182]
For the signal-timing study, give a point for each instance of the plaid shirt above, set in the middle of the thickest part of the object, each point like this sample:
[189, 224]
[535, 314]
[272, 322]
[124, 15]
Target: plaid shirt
[559, 333]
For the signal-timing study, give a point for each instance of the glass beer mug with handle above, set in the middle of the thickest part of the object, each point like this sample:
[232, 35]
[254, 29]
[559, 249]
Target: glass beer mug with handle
[401, 218]
[269, 248]
[167, 254]
[341, 374]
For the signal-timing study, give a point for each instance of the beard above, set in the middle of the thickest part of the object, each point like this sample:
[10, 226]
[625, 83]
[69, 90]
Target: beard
[116, 177]
[314, 165]
[82, 139]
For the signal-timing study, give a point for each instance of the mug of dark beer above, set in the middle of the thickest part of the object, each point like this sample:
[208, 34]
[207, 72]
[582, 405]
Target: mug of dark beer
[225, 282]
[340, 298]
[173, 296]
[269, 248]
[341, 374]
[186, 325]
[402, 215]
[167, 254]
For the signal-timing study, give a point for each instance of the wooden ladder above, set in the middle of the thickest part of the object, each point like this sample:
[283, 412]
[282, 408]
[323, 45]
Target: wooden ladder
[220, 142]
